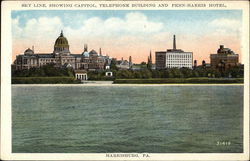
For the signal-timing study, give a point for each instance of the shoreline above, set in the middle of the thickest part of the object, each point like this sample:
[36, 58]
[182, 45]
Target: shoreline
[95, 84]
[153, 81]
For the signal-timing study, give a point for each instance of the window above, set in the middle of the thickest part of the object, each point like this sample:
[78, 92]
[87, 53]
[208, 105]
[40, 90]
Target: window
[25, 61]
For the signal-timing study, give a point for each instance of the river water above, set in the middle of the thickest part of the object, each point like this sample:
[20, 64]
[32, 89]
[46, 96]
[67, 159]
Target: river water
[153, 119]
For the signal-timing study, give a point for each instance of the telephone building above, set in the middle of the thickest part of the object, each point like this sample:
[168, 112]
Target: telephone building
[173, 58]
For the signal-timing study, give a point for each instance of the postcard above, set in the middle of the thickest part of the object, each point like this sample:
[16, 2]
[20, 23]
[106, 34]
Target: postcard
[125, 80]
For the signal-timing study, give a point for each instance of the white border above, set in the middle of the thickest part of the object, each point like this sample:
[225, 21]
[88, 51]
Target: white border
[6, 60]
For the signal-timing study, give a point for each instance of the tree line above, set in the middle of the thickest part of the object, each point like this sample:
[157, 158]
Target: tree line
[235, 72]
[48, 70]
[51, 71]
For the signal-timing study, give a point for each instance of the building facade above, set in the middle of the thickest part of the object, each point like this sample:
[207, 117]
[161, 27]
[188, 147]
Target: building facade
[173, 58]
[160, 59]
[224, 59]
[62, 57]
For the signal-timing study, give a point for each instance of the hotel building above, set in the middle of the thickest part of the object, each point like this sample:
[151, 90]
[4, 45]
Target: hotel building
[224, 59]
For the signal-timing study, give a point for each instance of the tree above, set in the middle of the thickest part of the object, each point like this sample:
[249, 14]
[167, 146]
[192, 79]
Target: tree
[124, 74]
[235, 72]
[156, 74]
[48, 70]
[146, 74]
[187, 72]
[113, 65]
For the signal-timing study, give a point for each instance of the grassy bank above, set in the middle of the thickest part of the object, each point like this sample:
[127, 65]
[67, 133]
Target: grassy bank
[179, 80]
[71, 80]
[43, 80]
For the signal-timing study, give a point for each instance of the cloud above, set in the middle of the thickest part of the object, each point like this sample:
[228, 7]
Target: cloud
[130, 33]
[137, 22]
[226, 24]
[133, 23]
[16, 30]
[41, 28]
[134, 34]
[225, 29]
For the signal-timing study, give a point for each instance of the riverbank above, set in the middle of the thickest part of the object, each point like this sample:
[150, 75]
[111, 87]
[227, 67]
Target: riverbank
[71, 80]
[181, 81]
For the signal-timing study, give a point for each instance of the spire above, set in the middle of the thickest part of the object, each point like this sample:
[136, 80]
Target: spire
[100, 52]
[150, 56]
[61, 33]
[174, 43]
[130, 61]
[149, 65]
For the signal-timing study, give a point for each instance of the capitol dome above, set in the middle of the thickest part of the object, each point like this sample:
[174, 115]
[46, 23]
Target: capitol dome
[61, 44]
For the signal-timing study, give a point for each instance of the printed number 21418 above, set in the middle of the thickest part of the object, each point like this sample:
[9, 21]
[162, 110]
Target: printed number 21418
[223, 143]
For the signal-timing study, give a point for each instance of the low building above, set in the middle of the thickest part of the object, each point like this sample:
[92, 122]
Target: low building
[224, 59]
[173, 58]
[136, 67]
[81, 75]
[124, 64]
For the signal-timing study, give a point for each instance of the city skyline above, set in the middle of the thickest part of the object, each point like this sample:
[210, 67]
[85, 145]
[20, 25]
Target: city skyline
[124, 33]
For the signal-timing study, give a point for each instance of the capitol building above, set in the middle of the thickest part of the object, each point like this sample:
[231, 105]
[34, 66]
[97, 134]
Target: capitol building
[62, 57]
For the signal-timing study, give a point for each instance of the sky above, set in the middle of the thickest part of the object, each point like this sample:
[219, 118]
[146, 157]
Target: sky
[124, 33]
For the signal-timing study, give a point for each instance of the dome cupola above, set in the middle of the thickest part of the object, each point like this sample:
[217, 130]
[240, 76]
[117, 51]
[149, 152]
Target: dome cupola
[28, 52]
[61, 44]
[93, 53]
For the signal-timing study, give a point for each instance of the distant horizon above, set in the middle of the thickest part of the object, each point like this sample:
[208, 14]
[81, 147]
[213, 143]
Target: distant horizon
[124, 33]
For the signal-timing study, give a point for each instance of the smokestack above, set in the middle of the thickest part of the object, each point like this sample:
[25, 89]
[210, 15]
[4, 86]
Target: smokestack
[174, 44]
[33, 49]
[85, 48]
